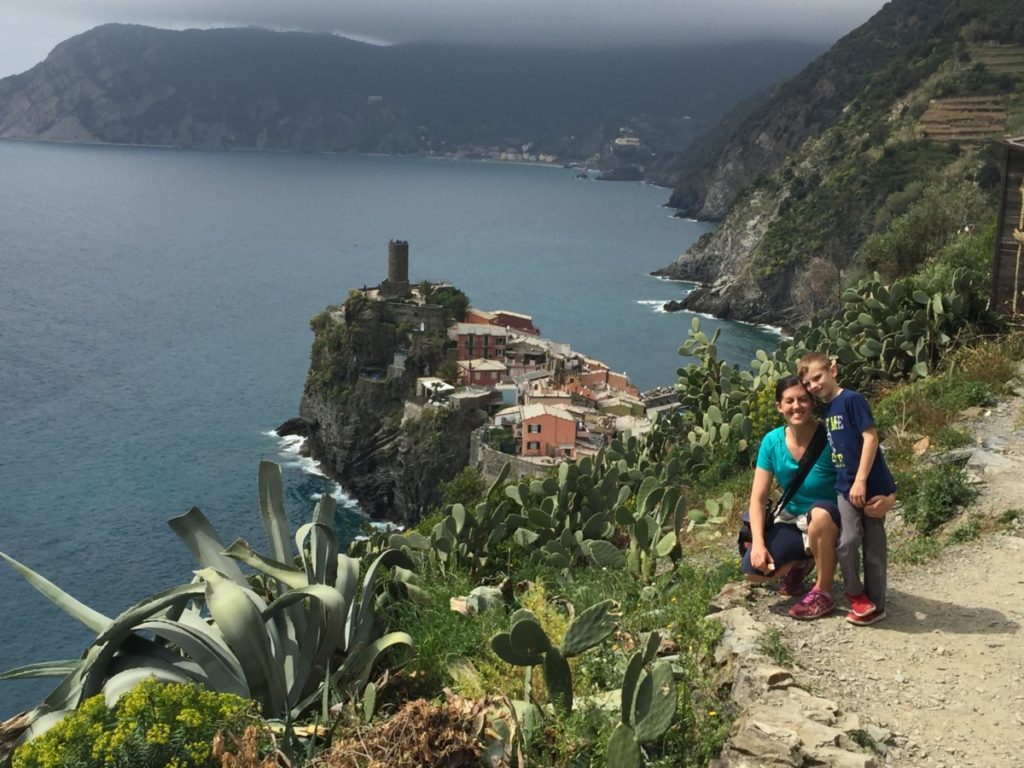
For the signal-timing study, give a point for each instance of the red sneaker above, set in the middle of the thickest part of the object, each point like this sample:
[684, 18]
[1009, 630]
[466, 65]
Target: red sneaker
[866, 620]
[860, 605]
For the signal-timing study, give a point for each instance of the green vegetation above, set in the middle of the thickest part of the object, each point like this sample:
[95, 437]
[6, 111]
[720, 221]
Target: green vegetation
[771, 644]
[965, 532]
[565, 615]
[547, 597]
[155, 725]
[938, 493]
[454, 301]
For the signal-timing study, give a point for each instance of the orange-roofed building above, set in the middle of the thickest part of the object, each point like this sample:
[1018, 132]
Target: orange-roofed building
[515, 321]
[481, 373]
[548, 431]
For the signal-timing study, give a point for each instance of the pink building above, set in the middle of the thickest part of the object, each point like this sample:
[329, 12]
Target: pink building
[548, 431]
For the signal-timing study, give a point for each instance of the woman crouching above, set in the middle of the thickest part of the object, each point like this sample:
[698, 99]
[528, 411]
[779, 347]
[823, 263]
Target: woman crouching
[809, 522]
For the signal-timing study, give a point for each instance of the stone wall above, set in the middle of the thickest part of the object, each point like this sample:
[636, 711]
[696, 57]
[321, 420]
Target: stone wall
[489, 461]
[781, 724]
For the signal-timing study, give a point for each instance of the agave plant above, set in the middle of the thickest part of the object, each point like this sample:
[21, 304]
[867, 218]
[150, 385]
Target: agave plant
[311, 624]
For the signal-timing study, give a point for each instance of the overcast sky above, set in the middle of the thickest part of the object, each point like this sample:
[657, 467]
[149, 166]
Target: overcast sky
[29, 29]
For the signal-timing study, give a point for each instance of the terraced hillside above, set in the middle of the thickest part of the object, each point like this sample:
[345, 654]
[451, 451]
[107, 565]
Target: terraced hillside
[965, 118]
[1000, 59]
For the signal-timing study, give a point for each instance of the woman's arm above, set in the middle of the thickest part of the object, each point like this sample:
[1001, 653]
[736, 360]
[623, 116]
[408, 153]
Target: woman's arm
[759, 490]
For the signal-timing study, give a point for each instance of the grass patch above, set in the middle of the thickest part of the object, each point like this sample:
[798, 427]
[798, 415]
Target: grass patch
[1010, 516]
[916, 551]
[771, 644]
[443, 634]
[964, 532]
[992, 362]
[929, 405]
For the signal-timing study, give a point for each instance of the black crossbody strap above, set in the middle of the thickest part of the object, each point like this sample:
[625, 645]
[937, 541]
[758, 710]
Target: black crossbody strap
[814, 449]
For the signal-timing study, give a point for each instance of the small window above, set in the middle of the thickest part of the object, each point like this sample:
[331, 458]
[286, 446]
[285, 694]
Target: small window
[533, 445]
[533, 428]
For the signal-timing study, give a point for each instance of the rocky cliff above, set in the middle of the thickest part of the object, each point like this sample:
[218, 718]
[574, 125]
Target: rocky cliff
[352, 412]
[902, 110]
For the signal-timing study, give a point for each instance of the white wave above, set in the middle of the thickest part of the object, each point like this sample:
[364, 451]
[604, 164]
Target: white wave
[290, 448]
[657, 305]
[380, 525]
[692, 283]
[773, 329]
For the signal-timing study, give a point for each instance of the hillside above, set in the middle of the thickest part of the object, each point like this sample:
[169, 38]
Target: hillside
[886, 136]
[256, 89]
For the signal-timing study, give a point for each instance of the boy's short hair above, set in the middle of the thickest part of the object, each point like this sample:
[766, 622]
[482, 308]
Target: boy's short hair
[810, 359]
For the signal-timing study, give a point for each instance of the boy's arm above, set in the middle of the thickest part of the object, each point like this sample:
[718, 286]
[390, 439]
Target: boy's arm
[859, 489]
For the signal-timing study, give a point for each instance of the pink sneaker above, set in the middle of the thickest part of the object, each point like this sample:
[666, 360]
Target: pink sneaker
[814, 605]
[860, 605]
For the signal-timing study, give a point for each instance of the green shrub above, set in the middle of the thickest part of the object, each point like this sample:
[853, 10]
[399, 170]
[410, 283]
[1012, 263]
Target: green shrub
[968, 531]
[153, 726]
[940, 492]
[1010, 516]
[466, 488]
[947, 437]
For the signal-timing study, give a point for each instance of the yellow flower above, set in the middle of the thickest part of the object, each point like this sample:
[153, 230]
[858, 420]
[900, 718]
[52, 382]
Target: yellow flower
[190, 717]
[198, 751]
[712, 713]
[158, 733]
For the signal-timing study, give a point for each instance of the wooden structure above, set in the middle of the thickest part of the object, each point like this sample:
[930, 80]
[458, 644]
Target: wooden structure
[1008, 261]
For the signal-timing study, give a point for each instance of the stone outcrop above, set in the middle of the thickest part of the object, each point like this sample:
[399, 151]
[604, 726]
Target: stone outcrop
[732, 285]
[781, 724]
[352, 412]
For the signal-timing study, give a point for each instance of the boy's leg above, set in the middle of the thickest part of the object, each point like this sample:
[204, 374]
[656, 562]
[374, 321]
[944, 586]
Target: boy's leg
[851, 536]
[876, 560]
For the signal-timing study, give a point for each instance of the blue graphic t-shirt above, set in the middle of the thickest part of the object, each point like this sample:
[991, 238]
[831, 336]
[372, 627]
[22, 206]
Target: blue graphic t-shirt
[819, 485]
[846, 418]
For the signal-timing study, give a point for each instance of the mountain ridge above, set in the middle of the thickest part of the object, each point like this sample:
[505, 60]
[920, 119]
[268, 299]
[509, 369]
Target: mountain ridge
[258, 89]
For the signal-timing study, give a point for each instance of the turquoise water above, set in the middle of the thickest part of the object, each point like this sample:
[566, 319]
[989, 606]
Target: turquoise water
[154, 309]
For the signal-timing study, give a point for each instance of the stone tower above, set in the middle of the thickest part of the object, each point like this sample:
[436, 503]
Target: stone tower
[397, 282]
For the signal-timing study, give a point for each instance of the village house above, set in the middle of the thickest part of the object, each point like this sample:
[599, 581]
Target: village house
[480, 372]
[478, 340]
[514, 321]
[433, 388]
[547, 431]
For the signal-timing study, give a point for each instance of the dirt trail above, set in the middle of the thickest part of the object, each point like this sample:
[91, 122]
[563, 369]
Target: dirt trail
[943, 676]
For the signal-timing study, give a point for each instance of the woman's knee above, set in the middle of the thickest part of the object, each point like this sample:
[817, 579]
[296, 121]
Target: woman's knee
[822, 526]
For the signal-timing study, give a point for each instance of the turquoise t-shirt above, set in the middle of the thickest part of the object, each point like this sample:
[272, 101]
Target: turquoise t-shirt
[820, 483]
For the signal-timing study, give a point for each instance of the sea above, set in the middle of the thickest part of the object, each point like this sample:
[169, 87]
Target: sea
[154, 330]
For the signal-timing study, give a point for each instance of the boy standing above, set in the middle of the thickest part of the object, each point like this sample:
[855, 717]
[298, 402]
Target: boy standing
[861, 472]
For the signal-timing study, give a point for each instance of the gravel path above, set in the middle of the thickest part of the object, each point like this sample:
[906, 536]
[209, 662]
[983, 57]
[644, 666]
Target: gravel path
[942, 678]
